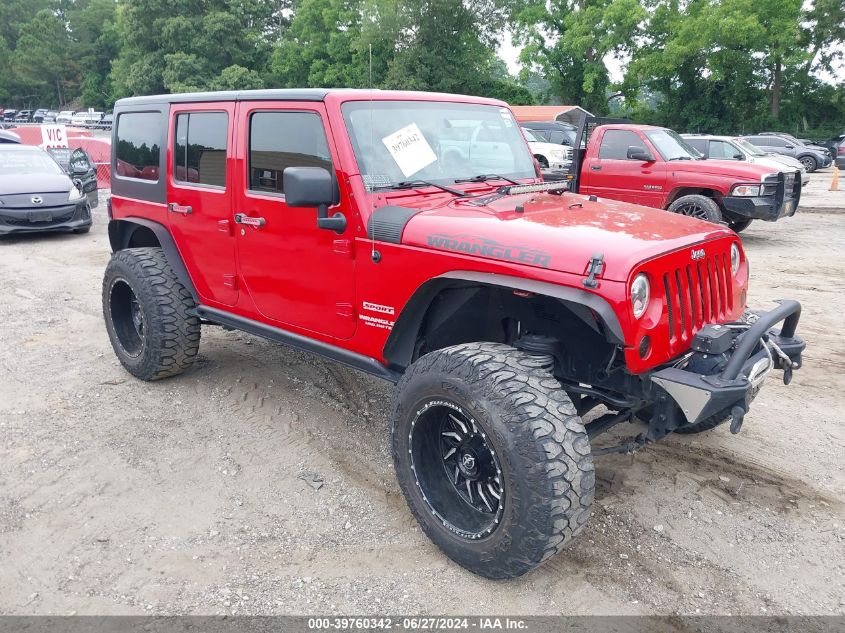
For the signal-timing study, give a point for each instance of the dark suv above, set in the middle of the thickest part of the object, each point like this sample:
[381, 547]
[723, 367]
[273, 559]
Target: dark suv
[556, 132]
[811, 157]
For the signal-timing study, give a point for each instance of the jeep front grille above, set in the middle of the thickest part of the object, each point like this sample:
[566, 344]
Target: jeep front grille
[697, 293]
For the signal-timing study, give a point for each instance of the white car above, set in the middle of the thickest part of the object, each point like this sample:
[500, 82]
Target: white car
[93, 119]
[734, 148]
[80, 119]
[64, 116]
[551, 156]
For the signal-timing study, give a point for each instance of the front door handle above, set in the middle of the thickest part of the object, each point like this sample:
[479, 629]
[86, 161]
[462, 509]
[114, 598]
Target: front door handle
[180, 209]
[242, 218]
[595, 167]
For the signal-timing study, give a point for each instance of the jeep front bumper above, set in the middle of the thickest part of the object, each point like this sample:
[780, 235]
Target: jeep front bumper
[685, 395]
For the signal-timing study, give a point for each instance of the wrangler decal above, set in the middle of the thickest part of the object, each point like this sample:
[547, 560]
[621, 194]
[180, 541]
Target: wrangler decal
[489, 248]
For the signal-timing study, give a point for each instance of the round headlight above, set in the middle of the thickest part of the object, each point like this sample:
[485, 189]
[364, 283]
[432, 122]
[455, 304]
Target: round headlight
[734, 258]
[640, 292]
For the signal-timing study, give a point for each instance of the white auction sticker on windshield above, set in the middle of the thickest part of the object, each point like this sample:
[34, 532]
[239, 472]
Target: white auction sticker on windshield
[409, 149]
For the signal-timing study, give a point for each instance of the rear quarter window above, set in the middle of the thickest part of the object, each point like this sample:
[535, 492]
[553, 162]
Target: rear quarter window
[138, 146]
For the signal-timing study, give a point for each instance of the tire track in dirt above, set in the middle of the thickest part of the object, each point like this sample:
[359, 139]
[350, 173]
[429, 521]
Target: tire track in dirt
[275, 405]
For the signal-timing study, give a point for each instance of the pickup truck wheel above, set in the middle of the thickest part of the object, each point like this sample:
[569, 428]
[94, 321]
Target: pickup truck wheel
[739, 224]
[544, 164]
[146, 309]
[697, 206]
[491, 456]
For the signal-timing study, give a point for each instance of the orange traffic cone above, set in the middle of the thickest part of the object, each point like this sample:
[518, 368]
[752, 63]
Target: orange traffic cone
[834, 184]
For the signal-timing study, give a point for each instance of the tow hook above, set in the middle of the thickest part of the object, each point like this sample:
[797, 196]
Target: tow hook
[785, 360]
[737, 416]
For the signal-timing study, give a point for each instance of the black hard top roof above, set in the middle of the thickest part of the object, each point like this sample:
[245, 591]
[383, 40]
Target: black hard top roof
[279, 94]
[276, 94]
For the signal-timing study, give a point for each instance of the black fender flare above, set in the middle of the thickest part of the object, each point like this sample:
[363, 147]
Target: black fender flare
[120, 232]
[399, 348]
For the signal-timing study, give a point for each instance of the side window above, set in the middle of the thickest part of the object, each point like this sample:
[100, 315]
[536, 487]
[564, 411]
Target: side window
[558, 138]
[199, 155]
[615, 144]
[138, 150]
[776, 141]
[278, 140]
[700, 144]
[721, 149]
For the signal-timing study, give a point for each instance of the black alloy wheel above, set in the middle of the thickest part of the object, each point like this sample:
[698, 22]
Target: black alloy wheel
[456, 469]
[127, 316]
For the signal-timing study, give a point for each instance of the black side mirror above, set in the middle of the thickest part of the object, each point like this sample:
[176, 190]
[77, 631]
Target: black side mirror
[313, 187]
[640, 153]
[78, 184]
[790, 147]
[739, 157]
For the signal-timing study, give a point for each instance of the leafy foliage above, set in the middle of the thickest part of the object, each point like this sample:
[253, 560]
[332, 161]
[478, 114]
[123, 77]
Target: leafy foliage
[708, 65]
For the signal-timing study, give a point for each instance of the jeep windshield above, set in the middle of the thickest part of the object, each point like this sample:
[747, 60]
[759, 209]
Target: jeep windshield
[671, 146]
[400, 141]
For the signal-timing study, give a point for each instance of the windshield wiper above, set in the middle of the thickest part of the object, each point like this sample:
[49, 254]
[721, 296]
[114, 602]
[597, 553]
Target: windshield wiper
[410, 184]
[485, 178]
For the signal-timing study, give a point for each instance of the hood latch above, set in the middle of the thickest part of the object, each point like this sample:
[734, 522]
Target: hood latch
[594, 268]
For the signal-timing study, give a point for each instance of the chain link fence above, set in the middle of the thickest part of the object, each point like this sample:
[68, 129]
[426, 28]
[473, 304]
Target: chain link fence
[103, 175]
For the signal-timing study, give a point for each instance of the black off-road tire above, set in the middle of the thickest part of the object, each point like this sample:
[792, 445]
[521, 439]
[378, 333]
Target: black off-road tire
[547, 475]
[544, 164]
[140, 286]
[697, 206]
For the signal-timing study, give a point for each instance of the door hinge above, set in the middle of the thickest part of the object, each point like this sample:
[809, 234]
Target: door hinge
[343, 247]
[230, 281]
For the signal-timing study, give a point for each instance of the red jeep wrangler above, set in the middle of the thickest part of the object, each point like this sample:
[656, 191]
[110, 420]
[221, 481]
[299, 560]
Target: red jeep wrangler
[656, 167]
[409, 235]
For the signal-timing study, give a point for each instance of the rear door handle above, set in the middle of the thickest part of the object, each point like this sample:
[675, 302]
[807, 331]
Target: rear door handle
[595, 167]
[242, 218]
[179, 208]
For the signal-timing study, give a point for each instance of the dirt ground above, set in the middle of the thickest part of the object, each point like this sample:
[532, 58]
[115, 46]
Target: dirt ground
[201, 494]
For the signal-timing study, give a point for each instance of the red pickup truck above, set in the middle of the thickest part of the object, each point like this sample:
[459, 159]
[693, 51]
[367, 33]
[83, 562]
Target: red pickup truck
[656, 167]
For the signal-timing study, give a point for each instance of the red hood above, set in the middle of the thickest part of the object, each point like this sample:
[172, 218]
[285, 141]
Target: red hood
[742, 171]
[557, 232]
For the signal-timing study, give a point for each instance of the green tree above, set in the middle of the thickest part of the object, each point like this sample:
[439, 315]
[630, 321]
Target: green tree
[95, 44]
[322, 47]
[568, 41]
[40, 60]
[186, 44]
